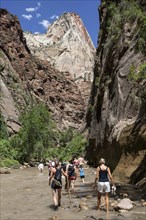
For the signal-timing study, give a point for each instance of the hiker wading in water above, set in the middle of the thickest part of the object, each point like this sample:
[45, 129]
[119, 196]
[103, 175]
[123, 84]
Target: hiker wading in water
[102, 175]
[72, 174]
[55, 180]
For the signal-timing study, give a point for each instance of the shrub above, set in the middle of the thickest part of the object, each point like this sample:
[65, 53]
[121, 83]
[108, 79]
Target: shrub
[5, 149]
[7, 154]
[7, 162]
[3, 128]
[137, 75]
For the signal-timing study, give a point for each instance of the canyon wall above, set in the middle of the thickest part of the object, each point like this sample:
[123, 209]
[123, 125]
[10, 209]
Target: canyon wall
[116, 116]
[27, 79]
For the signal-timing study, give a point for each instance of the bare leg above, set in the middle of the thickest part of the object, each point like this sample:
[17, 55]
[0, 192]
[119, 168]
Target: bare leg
[98, 201]
[69, 183]
[59, 196]
[55, 197]
[106, 202]
[72, 185]
[65, 187]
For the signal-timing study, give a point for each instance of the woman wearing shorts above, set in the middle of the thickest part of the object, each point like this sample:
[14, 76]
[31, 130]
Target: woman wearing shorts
[56, 186]
[102, 175]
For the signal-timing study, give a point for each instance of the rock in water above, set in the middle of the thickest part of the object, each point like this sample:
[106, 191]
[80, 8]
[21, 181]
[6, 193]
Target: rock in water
[125, 204]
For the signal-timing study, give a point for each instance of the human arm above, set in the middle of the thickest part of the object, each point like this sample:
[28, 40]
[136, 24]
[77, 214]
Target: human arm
[64, 172]
[51, 175]
[96, 176]
[110, 176]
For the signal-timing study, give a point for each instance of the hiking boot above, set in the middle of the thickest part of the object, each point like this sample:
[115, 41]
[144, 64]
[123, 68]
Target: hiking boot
[59, 204]
[55, 207]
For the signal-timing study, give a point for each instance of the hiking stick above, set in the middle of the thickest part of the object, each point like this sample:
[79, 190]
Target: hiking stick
[68, 190]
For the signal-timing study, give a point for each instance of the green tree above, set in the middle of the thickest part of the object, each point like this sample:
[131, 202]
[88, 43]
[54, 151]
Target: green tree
[66, 136]
[36, 135]
[76, 146]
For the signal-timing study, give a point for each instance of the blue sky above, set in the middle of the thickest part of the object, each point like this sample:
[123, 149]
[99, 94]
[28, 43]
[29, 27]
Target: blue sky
[36, 15]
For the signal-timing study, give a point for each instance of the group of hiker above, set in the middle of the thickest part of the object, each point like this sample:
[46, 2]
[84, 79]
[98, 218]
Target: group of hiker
[70, 171]
[74, 169]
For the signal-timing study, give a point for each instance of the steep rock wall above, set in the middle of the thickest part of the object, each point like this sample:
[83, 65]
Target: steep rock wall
[69, 48]
[116, 116]
[26, 79]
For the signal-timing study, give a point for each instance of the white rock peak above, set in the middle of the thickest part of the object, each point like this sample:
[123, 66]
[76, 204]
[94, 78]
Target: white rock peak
[67, 46]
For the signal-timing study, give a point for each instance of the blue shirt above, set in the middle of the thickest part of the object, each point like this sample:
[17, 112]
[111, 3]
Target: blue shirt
[81, 172]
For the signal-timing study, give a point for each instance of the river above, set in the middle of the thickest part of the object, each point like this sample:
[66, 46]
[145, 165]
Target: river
[25, 195]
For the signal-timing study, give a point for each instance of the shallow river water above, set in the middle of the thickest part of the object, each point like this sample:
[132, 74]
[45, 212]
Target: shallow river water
[25, 195]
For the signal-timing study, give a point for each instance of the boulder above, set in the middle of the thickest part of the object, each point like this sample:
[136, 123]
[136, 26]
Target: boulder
[125, 204]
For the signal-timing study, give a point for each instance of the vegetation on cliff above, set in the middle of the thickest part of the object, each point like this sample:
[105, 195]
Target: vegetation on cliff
[118, 15]
[38, 139]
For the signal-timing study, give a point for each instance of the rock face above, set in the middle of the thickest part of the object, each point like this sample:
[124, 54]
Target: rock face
[116, 115]
[26, 79]
[68, 47]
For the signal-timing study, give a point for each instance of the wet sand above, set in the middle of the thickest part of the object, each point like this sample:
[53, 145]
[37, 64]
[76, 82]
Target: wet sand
[25, 195]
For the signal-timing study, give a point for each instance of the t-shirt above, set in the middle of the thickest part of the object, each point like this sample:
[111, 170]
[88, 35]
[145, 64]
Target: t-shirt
[81, 172]
[41, 166]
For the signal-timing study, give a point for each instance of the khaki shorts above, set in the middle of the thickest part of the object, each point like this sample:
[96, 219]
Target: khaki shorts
[103, 187]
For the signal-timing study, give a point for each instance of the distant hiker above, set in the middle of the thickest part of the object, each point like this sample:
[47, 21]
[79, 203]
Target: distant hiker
[41, 167]
[71, 173]
[82, 173]
[76, 162]
[55, 180]
[81, 160]
[103, 185]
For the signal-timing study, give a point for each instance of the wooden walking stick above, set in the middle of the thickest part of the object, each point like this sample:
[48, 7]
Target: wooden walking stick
[68, 190]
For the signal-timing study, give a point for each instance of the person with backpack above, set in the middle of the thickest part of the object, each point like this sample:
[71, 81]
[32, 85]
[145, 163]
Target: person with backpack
[71, 173]
[55, 181]
[102, 175]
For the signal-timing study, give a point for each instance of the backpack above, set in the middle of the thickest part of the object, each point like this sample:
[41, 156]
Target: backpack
[71, 170]
[58, 174]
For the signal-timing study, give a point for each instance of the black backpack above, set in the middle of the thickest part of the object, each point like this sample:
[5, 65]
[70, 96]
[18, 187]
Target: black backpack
[58, 174]
[71, 170]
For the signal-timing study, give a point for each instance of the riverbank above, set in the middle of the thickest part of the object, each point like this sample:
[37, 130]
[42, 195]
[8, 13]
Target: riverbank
[25, 195]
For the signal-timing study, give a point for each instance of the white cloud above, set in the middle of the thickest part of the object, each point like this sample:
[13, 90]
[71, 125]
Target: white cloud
[39, 4]
[30, 9]
[54, 17]
[38, 15]
[33, 9]
[28, 17]
[36, 32]
[45, 23]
